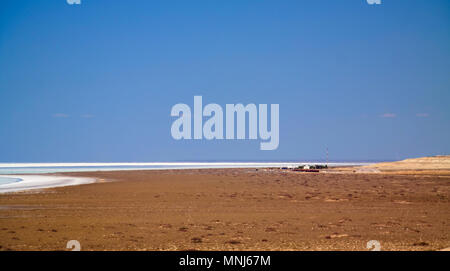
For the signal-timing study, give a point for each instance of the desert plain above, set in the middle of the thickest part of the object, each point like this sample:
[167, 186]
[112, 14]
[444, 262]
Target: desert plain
[402, 205]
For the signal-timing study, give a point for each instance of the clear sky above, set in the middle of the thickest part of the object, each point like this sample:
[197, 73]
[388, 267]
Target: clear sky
[96, 81]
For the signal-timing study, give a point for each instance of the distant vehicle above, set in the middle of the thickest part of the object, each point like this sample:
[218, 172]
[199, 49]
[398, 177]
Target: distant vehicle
[310, 168]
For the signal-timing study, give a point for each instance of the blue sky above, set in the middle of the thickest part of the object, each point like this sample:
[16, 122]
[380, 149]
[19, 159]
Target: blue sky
[96, 81]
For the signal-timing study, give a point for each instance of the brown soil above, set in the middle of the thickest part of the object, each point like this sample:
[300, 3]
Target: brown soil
[232, 209]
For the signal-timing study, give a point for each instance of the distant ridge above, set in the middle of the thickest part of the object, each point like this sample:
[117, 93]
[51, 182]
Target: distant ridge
[433, 164]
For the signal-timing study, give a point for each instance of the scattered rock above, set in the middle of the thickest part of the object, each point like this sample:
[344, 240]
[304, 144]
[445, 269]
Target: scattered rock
[183, 229]
[336, 235]
[421, 244]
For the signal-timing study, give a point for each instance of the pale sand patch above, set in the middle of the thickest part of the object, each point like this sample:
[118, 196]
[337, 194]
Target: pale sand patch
[435, 165]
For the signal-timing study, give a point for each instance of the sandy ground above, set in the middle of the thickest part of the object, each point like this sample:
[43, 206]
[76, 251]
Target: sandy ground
[232, 209]
[435, 165]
